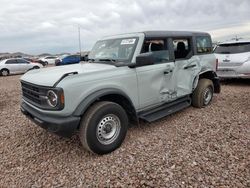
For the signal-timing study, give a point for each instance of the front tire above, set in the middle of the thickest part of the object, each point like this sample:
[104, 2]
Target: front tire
[203, 93]
[103, 127]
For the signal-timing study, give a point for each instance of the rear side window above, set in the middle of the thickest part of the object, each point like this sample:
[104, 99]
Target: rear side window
[182, 48]
[12, 61]
[204, 45]
[159, 49]
[232, 48]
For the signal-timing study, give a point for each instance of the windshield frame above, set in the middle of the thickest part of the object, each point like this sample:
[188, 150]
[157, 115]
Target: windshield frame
[129, 60]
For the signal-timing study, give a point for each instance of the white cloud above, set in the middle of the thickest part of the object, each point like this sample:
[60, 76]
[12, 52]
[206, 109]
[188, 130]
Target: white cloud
[241, 29]
[51, 26]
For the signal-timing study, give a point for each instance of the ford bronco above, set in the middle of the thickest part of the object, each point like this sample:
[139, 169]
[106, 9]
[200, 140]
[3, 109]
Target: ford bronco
[126, 78]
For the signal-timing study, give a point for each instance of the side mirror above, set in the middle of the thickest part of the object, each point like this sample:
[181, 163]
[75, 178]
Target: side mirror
[145, 59]
[84, 58]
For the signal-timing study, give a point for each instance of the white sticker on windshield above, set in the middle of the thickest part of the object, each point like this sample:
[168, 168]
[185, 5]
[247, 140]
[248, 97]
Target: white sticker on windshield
[127, 41]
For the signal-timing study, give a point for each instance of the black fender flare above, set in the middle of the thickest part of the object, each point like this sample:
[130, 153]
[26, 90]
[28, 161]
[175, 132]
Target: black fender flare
[90, 99]
[212, 76]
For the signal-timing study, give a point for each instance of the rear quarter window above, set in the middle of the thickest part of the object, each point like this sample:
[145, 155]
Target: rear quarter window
[203, 45]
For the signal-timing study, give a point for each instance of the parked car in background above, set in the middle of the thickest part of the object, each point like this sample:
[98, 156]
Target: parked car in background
[35, 60]
[16, 66]
[49, 60]
[66, 60]
[233, 59]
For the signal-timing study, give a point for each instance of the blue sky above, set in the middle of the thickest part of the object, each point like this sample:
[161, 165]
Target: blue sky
[38, 26]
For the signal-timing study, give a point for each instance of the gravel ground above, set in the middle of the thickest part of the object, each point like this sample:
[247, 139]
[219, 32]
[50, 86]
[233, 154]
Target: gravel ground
[207, 147]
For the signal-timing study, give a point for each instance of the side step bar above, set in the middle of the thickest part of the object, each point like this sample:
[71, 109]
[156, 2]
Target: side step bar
[165, 109]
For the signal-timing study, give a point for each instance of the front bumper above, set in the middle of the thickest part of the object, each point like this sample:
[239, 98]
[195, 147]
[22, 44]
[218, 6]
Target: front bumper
[62, 126]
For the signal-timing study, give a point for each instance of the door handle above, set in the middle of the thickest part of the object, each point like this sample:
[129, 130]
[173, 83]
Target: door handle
[189, 66]
[167, 71]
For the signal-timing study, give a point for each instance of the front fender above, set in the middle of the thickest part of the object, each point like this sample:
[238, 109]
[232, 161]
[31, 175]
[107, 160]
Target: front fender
[90, 99]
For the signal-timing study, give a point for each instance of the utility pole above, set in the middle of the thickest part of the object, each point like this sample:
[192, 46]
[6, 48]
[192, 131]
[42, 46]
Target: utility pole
[79, 37]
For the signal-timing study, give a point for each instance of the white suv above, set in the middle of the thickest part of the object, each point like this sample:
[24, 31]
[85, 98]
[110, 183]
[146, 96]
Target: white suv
[129, 77]
[233, 59]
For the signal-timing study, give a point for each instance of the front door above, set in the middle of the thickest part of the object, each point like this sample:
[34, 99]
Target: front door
[154, 81]
[23, 65]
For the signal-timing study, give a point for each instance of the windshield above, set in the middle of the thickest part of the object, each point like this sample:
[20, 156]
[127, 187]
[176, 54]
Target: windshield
[114, 50]
[232, 48]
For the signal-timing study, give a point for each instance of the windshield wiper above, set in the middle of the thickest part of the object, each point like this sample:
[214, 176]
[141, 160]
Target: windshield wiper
[91, 60]
[108, 59]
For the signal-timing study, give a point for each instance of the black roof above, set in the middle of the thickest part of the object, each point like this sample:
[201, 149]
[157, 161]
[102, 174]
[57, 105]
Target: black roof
[152, 34]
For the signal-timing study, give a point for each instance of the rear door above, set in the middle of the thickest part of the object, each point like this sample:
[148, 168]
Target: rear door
[187, 66]
[12, 65]
[154, 80]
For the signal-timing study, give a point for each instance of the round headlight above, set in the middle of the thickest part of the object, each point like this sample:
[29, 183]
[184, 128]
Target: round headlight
[52, 98]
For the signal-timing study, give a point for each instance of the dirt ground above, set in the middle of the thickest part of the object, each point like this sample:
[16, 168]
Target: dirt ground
[207, 147]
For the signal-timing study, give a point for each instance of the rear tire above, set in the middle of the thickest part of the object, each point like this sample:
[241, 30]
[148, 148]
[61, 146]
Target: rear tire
[103, 127]
[4, 72]
[36, 67]
[203, 93]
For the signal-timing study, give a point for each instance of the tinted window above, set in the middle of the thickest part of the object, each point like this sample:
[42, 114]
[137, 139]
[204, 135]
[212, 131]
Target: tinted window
[182, 48]
[50, 57]
[204, 45]
[11, 61]
[232, 48]
[22, 61]
[159, 49]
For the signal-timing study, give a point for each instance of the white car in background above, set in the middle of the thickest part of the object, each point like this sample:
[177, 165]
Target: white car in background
[233, 59]
[49, 60]
[16, 66]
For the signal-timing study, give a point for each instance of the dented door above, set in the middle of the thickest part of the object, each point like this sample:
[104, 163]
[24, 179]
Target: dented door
[154, 84]
[184, 75]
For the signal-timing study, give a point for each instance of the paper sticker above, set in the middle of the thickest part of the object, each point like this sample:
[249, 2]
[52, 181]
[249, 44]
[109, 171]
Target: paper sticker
[127, 41]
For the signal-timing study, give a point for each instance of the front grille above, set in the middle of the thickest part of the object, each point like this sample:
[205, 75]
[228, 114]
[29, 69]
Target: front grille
[33, 93]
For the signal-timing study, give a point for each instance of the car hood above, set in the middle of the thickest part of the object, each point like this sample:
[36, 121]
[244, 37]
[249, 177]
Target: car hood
[49, 76]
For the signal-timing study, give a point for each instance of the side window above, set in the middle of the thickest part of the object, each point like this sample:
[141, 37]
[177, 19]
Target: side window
[11, 61]
[22, 61]
[50, 57]
[159, 49]
[203, 45]
[182, 48]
